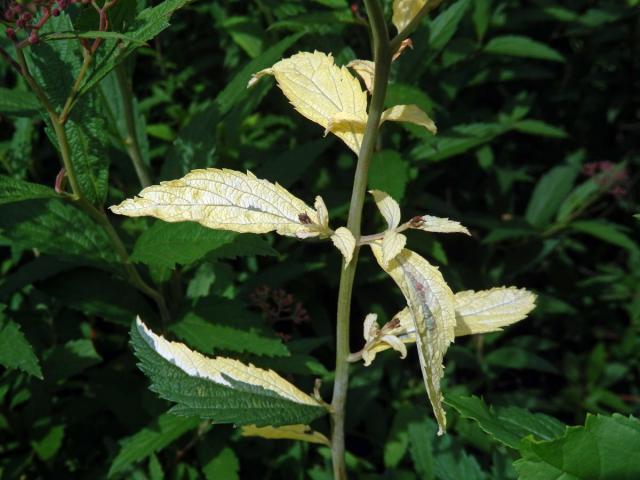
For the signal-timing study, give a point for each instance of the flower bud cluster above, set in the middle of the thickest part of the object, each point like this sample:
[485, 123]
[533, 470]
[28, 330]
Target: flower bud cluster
[609, 176]
[29, 17]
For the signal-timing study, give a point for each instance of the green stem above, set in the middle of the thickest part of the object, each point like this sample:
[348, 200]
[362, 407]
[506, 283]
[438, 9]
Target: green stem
[96, 213]
[58, 127]
[382, 58]
[131, 140]
[75, 88]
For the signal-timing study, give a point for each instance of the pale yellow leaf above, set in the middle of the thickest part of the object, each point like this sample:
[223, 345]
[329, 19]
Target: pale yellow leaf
[343, 239]
[491, 310]
[404, 11]
[431, 303]
[476, 312]
[227, 200]
[344, 122]
[323, 213]
[411, 114]
[392, 244]
[287, 432]
[388, 207]
[220, 369]
[437, 225]
[320, 90]
[365, 70]
[395, 343]
[370, 326]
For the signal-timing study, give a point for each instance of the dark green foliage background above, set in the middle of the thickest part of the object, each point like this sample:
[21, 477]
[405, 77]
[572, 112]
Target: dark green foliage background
[525, 94]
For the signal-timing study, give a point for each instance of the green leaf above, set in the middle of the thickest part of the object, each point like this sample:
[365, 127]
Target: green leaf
[223, 465]
[458, 140]
[481, 17]
[421, 448]
[540, 128]
[18, 103]
[85, 132]
[444, 26]
[389, 172]
[196, 143]
[609, 232]
[519, 46]
[147, 25]
[220, 395]
[72, 358]
[519, 359]
[549, 193]
[167, 244]
[580, 197]
[507, 425]
[161, 432]
[58, 228]
[221, 324]
[14, 190]
[605, 448]
[15, 350]
[47, 446]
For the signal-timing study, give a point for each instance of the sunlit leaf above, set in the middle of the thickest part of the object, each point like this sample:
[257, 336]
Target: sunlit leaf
[365, 70]
[286, 432]
[388, 207]
[409, 113]
[344, 241]
[431, 303]
[222, 389]
[321, 91]
[404, 11]
[437, 225]
[226, 200]
[392, 244]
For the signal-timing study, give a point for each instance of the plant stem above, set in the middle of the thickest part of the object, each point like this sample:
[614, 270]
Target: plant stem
[131, 140]
[96, 213]
[382, 58]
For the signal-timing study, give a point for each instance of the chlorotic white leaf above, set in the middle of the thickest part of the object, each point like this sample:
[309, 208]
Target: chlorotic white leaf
[323, 213]
[370, 327]
[395, 343]
[286, 432]
[437, 225]
[320, 91]
[388, 207]
[476, 312]
[392, 244]
[404, 11]
[365, 70]
[344, 241]
[491, 310]
[220, 370]
[411, 114]
[431, 303]
[226, 200]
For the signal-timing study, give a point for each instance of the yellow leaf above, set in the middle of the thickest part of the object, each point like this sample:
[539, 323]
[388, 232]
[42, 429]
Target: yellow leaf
[320, 91]
[287, 432]
[365, 70]
[411, 114]
[404, 11]
[344, 122]
[491, 310]
[388, 207]
[476, 312]
[343, 239]
[392, 244]
[437, 225]
[323, 213]
[431, 303]
[220, 369]
[226, 200]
